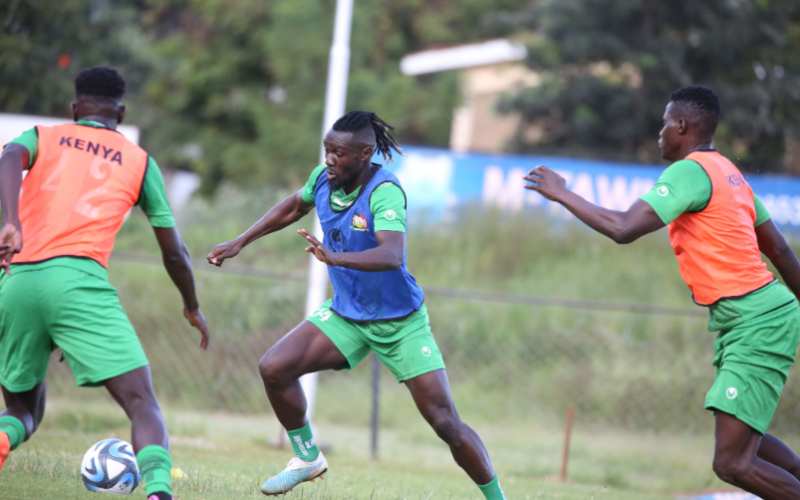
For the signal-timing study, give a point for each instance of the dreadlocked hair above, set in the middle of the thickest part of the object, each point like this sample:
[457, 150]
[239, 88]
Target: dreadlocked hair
[356, 121]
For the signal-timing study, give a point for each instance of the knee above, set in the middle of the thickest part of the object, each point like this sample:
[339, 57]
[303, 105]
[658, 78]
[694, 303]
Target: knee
[273, 371]
[731, 469]
[447, 424]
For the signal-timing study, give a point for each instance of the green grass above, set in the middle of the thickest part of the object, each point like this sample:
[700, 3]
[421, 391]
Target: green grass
[637, 381]
[229, 456]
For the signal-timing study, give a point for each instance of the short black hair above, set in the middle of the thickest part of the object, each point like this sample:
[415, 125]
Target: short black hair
[357, 121]
[100, 81]
[701, 103]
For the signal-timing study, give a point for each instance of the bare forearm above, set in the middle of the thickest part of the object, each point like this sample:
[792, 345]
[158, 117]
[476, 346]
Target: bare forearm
[11, 163]
[772, 244]
[280, 216]
[610, 223]
[622, 227]
[179, 267]
[178, 264]
[788, 266]
[372, 261]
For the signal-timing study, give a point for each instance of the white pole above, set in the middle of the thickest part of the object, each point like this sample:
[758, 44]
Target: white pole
[335, 97]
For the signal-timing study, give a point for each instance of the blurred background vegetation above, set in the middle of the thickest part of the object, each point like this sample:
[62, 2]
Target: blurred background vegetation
[234, 89]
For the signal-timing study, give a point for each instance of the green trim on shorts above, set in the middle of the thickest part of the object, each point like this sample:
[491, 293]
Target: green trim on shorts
[65, 302]
[405, 346]
[753, 361]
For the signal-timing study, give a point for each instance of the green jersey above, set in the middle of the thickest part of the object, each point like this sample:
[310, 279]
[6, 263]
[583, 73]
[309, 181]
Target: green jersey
[386, 198]
[688, 189]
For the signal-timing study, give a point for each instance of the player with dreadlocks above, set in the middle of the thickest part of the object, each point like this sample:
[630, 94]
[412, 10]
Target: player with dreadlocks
[719, 229]
[376, 306]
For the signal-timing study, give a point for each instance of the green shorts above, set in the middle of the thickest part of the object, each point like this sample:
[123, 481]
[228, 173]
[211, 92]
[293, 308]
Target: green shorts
[405, 346]
[67, 303]
[753, 361]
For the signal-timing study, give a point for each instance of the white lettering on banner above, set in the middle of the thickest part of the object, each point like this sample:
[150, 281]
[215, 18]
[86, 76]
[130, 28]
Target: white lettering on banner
[503, 191]
[533, 198]
[507, 190]
[426, 179]
[784, 209]
[622, 192]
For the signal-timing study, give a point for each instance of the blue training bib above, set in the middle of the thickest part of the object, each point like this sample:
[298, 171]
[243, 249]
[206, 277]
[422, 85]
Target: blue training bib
[360, 295]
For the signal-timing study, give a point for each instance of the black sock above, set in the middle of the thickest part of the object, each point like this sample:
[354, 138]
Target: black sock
[160, 495]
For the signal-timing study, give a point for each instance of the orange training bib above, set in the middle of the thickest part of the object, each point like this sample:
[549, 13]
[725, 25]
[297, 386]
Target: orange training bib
[75, 196]
[717, 248]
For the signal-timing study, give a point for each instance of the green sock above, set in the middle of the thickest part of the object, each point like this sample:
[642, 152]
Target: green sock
[492, 491]
[303, 443]
[14, 428]
[155, 464]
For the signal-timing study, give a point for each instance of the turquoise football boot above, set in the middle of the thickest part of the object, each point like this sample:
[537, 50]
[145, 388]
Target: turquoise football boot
[298, 471]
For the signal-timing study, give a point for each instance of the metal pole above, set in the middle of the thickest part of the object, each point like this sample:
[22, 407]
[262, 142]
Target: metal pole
[376, 379]
[335, 96]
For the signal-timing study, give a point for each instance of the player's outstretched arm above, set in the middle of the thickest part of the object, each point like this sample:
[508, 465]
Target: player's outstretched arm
[622, 227]
[774, 246]
[13, 160]
[178, 263]
[287, 212]
[387, 256]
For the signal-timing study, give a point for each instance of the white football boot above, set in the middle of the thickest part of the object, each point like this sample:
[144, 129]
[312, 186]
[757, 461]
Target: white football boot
[298, 471]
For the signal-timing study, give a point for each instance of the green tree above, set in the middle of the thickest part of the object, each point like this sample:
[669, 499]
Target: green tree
[244, 81]
[44, 43]
[608, 67]
[234, 89]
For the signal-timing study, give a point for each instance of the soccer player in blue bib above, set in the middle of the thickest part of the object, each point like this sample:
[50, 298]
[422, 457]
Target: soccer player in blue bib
[377, 304]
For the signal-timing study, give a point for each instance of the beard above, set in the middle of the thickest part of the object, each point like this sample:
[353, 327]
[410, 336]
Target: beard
[335, 184]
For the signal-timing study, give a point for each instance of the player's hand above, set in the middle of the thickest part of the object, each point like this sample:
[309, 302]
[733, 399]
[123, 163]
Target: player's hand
[10, 243]
[223, 251]
[545, 182]
[197, 320]
[320, 251]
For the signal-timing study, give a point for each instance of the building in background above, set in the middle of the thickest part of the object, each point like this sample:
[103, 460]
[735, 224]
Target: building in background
[487, 71]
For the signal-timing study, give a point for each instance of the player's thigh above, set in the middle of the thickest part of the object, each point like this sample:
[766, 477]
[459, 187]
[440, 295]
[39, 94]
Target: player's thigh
[431, 394]
[326, 341]
[414, 352]
[25, 343]
[86, 320]
[735, 440]
[303, 350]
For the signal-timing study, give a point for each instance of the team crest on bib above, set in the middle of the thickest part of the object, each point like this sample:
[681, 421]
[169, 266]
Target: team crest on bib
[359, 223]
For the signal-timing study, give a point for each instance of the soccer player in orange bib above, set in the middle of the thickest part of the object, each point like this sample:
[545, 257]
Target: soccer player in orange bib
[59, 229]
[718, 229]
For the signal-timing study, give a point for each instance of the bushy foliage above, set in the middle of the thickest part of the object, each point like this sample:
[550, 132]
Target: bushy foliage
[235, 89]
[608, 68]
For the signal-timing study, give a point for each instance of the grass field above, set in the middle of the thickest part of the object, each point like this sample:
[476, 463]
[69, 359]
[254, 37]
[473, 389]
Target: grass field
[637, 381]
[229, 456]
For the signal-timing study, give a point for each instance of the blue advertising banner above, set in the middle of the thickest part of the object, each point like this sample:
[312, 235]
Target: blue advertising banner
[439, 179]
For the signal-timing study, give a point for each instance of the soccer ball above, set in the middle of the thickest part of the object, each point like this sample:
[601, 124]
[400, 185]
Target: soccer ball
[110, 466]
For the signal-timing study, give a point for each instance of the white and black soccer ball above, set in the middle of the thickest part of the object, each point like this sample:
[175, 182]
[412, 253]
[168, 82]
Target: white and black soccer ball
[110, 466]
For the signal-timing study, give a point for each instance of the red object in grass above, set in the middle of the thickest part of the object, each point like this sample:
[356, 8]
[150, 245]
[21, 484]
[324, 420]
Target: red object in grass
[63, 61]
